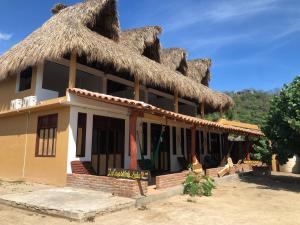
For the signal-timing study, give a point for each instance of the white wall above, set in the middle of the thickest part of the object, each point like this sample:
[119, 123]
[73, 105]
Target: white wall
[92, 108]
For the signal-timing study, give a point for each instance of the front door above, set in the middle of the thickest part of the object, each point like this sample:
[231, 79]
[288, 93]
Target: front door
[162, 157]
[108, 144]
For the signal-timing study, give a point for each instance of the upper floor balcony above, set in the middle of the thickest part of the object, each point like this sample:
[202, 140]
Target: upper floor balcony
[50, 80]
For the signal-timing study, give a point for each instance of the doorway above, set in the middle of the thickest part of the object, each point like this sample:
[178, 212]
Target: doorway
[107, 144]
[162, 158]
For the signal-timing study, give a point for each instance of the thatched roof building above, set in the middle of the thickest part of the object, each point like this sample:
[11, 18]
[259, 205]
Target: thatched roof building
[175, 59]
[199, 70]
[143, 40]
[92, 29]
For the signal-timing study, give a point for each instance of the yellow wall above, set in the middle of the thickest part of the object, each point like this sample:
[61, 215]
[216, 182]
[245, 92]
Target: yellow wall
[8, 90]
[49, 170]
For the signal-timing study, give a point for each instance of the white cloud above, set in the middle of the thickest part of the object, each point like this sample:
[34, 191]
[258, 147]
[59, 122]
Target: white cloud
[292, 28]
[239, 9]
[216, 12]
[5, 37]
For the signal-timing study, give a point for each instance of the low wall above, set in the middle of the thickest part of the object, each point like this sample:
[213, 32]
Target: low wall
[170, 180]
[213, 172]
[119, 187]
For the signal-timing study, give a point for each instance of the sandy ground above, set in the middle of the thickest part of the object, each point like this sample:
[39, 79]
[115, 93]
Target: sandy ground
[252, 200]
[8, 187]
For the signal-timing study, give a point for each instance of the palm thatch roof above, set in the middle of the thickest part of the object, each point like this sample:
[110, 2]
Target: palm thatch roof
[92, 29]
[143, 40]
[175, 59]
[199, 70]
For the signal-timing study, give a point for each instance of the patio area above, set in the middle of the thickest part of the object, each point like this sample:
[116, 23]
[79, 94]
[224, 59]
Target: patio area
[250, 200]
[70, 203]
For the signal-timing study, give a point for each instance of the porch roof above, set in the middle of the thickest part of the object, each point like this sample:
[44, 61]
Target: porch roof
[145, 107]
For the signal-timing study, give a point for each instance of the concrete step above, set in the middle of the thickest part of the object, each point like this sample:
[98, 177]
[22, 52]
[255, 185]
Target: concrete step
[158, 195]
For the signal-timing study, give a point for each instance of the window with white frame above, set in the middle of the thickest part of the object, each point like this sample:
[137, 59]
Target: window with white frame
[25, 78]
[55, 77]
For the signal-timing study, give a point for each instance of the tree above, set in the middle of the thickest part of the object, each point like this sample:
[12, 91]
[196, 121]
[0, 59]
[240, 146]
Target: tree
[261, 150]
[282, 123]
[251, 106]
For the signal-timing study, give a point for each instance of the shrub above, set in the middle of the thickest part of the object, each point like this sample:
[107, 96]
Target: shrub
[262, 151]
[197, 185]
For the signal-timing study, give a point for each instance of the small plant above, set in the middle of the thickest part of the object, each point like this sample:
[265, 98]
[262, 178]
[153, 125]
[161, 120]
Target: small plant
[198, 185]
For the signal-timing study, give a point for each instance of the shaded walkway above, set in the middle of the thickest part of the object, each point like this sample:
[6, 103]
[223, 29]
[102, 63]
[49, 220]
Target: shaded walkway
[277, 181]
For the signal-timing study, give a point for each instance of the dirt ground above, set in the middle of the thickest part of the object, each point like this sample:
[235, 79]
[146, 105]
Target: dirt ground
[251, 200]
[8, 187]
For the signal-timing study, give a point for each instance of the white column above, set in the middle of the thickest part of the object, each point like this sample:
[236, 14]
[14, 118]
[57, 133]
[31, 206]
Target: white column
[89, 137]
[72, 138]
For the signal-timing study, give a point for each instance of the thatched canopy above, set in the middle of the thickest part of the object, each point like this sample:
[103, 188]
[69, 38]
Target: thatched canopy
[199, 70]
[143, 40]
[175, 59]
[91, 29]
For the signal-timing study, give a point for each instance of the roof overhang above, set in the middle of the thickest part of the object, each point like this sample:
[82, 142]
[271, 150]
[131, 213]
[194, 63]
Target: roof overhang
[143, 107]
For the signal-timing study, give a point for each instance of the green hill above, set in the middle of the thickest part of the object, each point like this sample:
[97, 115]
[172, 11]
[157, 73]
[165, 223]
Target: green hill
[250, 106]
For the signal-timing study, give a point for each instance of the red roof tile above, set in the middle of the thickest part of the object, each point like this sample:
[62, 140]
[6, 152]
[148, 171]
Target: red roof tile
[145, 107]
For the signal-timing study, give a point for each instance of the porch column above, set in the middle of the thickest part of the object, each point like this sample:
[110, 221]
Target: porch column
[132, 140]
[72, 69]
[193, 143]
[136, 89]
[202, 113]
[176, 101]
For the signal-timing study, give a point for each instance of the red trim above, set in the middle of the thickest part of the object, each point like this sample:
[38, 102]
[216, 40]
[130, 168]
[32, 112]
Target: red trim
[132, 140]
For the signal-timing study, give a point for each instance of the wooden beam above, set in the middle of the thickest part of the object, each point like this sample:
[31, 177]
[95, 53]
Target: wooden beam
[176, 101]
[137, 89]
[132, 140]
[202, 110]
[72, 70]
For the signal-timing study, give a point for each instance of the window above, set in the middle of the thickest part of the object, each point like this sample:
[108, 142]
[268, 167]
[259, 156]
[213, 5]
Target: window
[161, 101]
[89, 82]
[182, 141]
[188, 143]
[46, 136]
[55, 78]
[202, 143]
[145, 133]
[174, 141]
[119, 90]
[81, 132]
[198, 151]
[25, 79]
[186, 109]
[208, 143]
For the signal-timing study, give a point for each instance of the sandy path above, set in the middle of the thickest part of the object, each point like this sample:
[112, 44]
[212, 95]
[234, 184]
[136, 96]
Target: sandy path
[252, 201]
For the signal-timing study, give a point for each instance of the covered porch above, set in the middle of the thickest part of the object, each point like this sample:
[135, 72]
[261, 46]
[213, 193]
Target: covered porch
[113, 132]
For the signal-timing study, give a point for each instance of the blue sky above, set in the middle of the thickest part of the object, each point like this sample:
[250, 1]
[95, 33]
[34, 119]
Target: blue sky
[253, 44]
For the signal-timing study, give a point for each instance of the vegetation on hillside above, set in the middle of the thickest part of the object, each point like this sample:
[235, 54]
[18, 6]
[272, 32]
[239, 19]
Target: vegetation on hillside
[251, 106]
